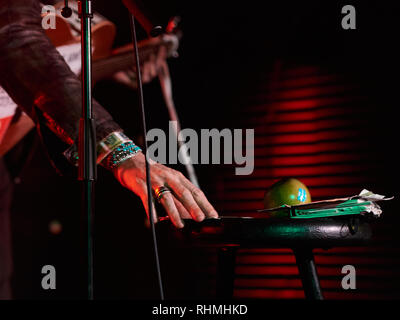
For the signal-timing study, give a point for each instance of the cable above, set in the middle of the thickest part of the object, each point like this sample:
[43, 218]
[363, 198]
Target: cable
[148, 181]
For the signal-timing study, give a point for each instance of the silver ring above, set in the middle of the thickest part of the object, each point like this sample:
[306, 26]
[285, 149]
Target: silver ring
[160, 191]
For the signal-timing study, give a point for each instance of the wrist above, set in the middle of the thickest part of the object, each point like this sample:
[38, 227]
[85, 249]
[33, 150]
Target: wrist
[114, 151]
[103, 148]
[135, 162]
[134, 165]
[120, 154]
[110, 143]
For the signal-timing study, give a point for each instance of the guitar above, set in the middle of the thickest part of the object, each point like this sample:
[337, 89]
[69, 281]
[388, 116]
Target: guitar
[106, 61]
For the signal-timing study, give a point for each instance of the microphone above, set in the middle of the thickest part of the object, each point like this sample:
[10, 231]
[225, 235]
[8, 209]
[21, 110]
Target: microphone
[144, 16]
[66, 12]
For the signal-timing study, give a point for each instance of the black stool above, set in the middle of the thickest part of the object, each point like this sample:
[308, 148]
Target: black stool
[301, 235]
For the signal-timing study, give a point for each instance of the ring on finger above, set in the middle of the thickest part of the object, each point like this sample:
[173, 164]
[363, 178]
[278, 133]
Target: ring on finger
[160, 191]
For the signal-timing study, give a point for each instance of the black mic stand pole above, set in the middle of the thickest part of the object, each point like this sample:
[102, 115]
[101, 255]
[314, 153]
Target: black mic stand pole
[87, 134]
[148, 180]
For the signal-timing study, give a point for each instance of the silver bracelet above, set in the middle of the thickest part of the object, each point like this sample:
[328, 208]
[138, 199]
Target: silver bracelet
[121, 153]
[103, 148]
[109, 143]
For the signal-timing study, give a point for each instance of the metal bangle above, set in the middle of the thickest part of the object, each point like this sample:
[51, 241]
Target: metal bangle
[109, 143]
[121, 153]
[103, 148]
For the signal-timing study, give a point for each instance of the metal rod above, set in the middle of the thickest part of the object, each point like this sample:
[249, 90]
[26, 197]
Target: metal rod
[308, 273]
[87, 135]
[148, 180]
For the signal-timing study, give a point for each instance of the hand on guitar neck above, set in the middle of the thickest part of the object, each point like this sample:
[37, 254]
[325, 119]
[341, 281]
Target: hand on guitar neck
[153, 59]
[108, 61]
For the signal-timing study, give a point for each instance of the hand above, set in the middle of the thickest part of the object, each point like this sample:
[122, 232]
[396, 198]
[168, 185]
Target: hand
[185, 201]
[149, 69]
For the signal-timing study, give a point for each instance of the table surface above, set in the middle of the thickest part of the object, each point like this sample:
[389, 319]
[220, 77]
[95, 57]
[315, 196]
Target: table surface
[268, 232]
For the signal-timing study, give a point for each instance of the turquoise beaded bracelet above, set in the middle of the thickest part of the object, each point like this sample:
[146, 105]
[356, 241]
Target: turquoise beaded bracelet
[121, 153]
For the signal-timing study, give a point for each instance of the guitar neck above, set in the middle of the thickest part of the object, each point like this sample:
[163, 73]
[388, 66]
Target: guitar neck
[104, 68]
[124, 59]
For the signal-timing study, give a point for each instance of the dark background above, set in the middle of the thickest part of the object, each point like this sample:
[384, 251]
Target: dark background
[233, 58]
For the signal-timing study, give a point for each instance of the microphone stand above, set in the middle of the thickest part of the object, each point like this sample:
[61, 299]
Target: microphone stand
[148, 180]
[87, 134]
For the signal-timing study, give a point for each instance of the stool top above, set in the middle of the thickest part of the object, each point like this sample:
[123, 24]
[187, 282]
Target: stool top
[269, 232]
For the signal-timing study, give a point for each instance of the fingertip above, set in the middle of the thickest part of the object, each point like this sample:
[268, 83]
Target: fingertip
[213, 214]
[200, 217]
[179, 224]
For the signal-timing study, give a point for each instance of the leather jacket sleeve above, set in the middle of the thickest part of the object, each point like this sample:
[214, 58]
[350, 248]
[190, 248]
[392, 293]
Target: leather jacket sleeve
[36, 76]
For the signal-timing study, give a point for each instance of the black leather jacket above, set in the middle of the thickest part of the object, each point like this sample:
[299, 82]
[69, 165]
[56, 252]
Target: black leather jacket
[36, 76]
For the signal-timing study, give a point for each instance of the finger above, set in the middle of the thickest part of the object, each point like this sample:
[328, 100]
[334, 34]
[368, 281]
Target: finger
[204, 204]
[162, 53]
[185, 197]
[200, 199]
[152, 66]
[161, 56]
[125, 79]
[146, 72]
[168, 203]
[181, 209]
